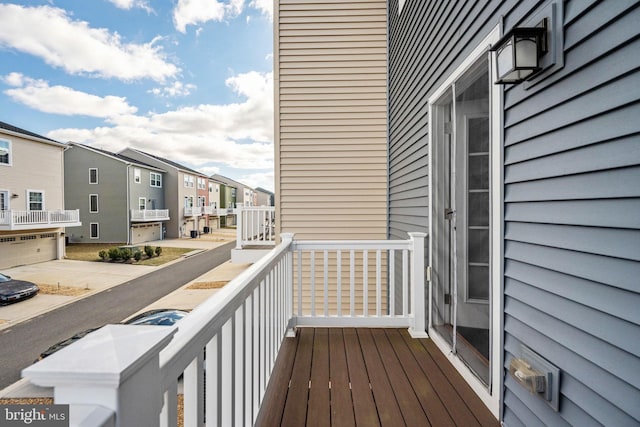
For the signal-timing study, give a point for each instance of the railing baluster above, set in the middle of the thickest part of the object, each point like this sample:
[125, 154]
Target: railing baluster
[312, 261]
[378, 283]
[212, 383]
[193, 379]
[365, 283]
[339, 280]
[248, 361]
[326, 283]
[299, 283]
[255, 354]
[352, 283]
[239, 380]
[169, 414]
[405, 282]
[392, 282]
[226, 373]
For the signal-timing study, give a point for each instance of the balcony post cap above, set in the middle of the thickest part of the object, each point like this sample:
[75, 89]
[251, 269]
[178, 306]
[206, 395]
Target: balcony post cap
[105, 358]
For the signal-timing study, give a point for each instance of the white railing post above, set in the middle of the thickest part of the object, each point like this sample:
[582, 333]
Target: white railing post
[239, 227]
[418, 304]
[116, 367]
[287, 239]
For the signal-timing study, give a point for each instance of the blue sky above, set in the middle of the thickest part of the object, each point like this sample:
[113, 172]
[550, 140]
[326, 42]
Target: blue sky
[189, 80]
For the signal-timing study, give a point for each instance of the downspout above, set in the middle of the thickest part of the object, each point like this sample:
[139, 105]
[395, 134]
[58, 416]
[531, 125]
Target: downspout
[129, 235]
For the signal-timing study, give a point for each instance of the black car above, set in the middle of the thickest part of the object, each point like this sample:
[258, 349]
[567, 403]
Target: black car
[12, 290]
[161, 317]
[63, 344]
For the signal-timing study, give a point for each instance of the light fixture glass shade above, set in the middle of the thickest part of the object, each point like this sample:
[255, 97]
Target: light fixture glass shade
[517, 55]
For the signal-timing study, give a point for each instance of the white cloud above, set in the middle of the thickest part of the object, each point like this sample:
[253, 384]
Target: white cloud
[265, 6]
[192, 12]
[37, 94]
[239, 134]
[50, 33]
[265, 180]
[176, 89]
[130, 4]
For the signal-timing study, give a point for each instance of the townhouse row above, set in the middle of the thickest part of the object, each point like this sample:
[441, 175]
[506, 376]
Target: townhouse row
[53, 194]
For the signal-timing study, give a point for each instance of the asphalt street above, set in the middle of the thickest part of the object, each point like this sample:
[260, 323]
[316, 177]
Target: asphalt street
[21, 344]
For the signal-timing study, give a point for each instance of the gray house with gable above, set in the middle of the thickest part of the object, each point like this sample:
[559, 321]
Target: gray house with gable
[121, 200]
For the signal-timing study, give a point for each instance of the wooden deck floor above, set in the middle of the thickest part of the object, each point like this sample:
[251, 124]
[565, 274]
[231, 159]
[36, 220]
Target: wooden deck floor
[367, 377]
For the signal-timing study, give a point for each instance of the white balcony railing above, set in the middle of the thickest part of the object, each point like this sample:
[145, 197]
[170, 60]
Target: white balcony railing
[255, 226]
[20, 220]
[149, 214]
[235, 335]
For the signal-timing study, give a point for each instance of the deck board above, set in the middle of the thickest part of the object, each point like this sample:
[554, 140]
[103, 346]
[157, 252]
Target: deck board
[367, 377]
[319, 410]
[364, 406]
[341, 403]
[388, 410]
[400, 384]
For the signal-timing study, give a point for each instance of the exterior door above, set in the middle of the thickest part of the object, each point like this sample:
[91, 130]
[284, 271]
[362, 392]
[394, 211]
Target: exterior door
[461, 229]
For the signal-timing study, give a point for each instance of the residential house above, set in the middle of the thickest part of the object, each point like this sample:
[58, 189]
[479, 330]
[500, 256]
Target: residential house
[186, 193]
[265, 197]
[121, 200]
[237, 192]
[528, 195]
[32, 208]
[529, 192]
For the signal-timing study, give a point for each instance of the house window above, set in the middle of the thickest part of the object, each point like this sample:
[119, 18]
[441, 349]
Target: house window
[94, 230]
[4, 200]
[142, 203]
[5, 152]
[93, 203]
[202, 185]
[93, 175]
[188, 181]
[136, 176]
[36, 200]
[156, 180]
[201, 201]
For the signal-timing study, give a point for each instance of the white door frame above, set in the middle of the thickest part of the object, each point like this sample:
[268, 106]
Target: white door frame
[491, 397]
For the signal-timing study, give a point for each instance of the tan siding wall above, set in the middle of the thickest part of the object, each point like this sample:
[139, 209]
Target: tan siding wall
[35, 166]
[331, 109]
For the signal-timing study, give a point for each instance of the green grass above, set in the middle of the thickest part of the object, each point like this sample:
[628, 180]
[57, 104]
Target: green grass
[89, 252]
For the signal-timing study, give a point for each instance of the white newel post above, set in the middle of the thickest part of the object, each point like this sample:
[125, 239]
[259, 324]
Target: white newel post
[239, 227]
[287, 238]
[112, 370]
[418, 305]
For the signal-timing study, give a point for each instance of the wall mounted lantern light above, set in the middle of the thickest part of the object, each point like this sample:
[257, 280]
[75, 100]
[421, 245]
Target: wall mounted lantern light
[517, 54]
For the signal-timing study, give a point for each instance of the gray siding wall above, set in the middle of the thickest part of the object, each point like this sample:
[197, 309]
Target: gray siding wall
[144, 189]
[111, 190]
[572, 194]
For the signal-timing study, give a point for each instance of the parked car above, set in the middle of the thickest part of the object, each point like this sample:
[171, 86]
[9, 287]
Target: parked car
[62, 344]
[160, 317]
[12, 290]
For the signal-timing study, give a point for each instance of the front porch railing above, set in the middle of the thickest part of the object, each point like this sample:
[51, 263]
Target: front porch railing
[149, 214]
[255, 226]
[16, 220]
[223, 352]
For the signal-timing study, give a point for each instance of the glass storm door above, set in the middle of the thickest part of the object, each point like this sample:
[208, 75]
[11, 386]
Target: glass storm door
[462, 231]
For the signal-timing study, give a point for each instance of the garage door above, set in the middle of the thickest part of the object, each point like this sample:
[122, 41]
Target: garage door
[145, 233]
[27, 249]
